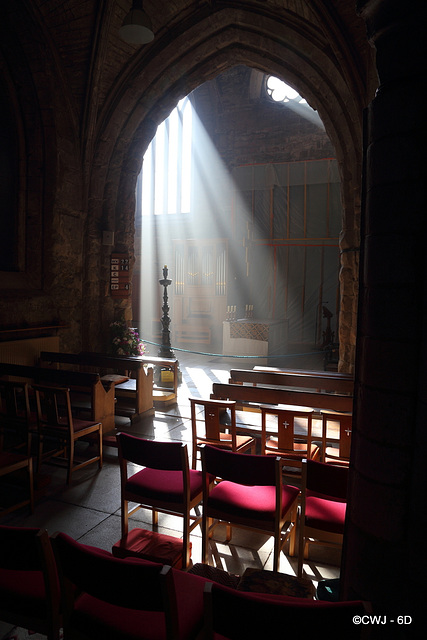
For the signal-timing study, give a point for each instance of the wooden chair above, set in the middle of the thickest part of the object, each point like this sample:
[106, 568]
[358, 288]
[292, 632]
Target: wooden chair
[285, 441]
[231, 614]
[216, 431]
[111, 598]
[337, 454]
[55, 422]
[17, 423]
[164, 484]
[323, 506]
[29, 588]
[251, 494]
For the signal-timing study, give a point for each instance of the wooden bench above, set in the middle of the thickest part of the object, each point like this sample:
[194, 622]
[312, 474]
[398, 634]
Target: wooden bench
[314, 372]
[251, 397]
[100, 395]
[293, 379]
[135, 392]
[160, 393]
[122, 367]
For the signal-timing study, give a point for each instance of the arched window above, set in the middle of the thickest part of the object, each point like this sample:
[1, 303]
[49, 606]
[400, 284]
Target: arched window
[165, 180]
[279, 91]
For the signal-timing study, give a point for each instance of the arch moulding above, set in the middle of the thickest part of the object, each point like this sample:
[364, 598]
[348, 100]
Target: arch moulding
[154, 82]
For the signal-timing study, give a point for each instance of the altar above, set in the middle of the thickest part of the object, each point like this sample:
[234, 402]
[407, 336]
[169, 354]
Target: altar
[252, 337]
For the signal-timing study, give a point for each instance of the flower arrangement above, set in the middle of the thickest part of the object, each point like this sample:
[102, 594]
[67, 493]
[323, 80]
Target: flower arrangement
[125, 341]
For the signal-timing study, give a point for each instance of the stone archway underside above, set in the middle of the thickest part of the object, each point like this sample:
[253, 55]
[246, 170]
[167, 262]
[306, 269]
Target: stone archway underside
[154, 82]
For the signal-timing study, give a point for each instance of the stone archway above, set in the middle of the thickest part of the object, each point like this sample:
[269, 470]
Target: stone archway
[153, 84]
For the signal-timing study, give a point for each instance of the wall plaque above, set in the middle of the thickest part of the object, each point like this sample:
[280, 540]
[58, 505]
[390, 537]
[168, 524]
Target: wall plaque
[120, 275]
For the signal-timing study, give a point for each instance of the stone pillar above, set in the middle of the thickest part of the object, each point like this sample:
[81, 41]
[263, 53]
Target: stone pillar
[384, 555]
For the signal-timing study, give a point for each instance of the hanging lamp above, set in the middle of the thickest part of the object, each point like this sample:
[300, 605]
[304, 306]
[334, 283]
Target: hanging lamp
[136, 27]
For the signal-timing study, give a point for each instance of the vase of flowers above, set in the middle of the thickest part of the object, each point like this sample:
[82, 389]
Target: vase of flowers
[125, 341]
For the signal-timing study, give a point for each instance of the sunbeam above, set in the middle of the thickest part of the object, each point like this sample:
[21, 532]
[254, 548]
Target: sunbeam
[245, 242]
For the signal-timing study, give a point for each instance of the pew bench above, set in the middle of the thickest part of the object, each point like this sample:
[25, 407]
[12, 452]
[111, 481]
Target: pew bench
[115, 370]
[163, 392]
[250, 397]
[293, 379]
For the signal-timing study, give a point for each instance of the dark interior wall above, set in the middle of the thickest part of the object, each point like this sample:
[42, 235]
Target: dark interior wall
[9, 172]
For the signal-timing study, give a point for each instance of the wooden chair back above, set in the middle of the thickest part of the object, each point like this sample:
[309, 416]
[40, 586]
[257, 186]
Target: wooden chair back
[340, 453]
[218, 420]
[284, 440]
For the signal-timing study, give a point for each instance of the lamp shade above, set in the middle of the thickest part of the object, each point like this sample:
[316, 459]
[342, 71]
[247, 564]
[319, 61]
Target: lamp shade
[136, 27]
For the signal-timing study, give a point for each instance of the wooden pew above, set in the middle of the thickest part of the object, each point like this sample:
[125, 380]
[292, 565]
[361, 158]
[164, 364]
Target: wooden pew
[101, 395]
[251, 397]
[313, 372]
[142, 397]
[134, 388]
[159, 393]
[294, 379]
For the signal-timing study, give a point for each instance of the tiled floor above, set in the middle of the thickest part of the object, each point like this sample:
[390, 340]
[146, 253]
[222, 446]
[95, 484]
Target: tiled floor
[89, 509]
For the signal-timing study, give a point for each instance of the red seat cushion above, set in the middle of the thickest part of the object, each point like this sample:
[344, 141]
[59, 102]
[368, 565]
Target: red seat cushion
[150, 545]
[327, 515]
[248, 503]
[157, 484]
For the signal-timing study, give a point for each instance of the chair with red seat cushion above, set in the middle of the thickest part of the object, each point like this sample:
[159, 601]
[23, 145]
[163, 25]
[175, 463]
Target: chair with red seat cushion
[165, 484]
[323, 506]
[231, 615]
[251, 494]
[29, 589]
[216, 432]
[110, 598]
[56, 422]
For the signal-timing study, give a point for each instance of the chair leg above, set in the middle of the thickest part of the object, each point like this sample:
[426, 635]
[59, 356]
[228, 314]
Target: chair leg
[205, 537]
[276, 552]
[301, 553]
[40, 453]
[70, 447]
[293, 534]
[154, 518]
[125, 518]
[186, 541]
[100, 449]
[31, 483]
